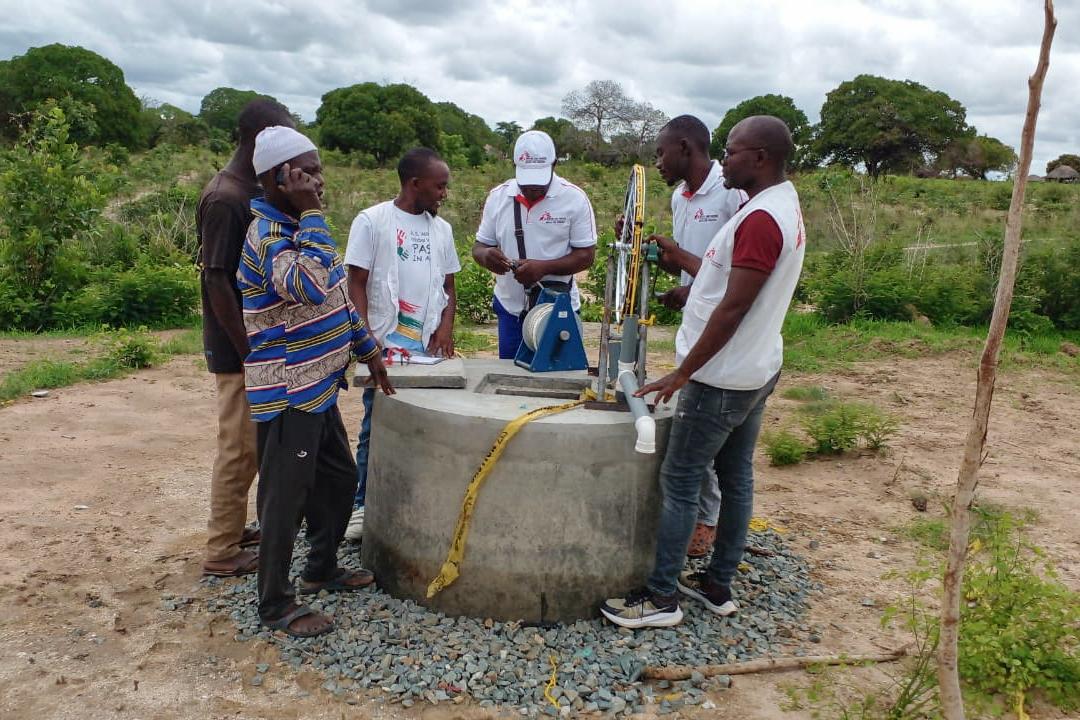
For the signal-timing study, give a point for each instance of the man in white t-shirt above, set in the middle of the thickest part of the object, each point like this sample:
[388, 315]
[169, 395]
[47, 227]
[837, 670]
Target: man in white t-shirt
[558, 235]
[700, 206]
[729, 351]
[401, 262]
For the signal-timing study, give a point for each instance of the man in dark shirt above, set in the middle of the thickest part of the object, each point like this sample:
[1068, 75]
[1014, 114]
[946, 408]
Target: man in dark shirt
[222, 219]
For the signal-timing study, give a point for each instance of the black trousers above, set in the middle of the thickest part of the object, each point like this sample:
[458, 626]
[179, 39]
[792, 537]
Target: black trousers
[306, 471]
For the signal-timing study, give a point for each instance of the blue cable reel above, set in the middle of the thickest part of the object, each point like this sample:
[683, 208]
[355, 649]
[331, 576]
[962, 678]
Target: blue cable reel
[551, 336]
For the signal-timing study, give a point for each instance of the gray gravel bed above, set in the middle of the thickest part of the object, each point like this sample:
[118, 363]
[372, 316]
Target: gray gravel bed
[414, 655]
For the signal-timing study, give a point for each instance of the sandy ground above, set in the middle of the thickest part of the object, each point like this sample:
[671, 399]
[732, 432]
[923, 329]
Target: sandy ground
[105, 497]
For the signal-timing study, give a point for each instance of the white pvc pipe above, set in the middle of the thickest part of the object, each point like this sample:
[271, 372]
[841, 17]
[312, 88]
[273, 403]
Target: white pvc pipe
[644, 423]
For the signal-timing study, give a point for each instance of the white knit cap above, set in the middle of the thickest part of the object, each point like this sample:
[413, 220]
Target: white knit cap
[277, 144]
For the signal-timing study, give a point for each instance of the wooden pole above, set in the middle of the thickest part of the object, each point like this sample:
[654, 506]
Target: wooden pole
[952, 704]
[683, 672]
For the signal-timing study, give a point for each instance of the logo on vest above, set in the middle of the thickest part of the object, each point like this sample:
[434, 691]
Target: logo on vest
[710, 255]
[702, 216]
[401, 251]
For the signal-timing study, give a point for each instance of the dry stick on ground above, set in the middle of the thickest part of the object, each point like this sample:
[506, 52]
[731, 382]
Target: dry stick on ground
[952, 703]
[683, 672]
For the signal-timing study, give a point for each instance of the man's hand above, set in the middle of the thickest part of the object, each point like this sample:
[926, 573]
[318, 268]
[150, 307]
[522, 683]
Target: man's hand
[668, 251]
[530, 272]
[301, 189]
[441, 343]
[665, 387]
[377, 376]
[675, 298]
[619, 221]
[496, 261]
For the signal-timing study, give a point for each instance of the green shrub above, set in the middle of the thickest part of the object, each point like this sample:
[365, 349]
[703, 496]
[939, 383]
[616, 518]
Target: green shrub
[835, 430]
[163, 296]
[1055, 271]
[837, 427]
[164, 221]
[593, 171]
[1018, 629]
[127, 348]
[475, 286]
[875, 427]
[48, 202]
[784, 448]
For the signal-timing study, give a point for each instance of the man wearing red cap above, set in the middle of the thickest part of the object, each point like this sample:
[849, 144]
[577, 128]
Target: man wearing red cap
[537, 228]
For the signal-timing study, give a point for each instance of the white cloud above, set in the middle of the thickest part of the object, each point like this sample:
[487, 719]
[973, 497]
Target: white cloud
[515, 59]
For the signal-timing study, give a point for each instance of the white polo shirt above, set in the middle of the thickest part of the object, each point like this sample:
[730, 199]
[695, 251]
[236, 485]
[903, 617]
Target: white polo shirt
[697, 217]
[559, 222]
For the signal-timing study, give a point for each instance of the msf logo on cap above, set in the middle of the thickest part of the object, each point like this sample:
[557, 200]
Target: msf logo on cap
[527, 158]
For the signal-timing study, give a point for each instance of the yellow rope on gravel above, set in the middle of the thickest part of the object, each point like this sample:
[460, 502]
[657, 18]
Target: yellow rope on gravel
[451, 568]
[551, 682]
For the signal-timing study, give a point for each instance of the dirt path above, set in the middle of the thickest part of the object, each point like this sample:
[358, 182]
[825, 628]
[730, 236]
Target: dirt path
[106, 492]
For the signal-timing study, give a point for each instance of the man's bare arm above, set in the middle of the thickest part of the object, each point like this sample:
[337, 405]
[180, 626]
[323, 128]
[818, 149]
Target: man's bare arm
[221, 291]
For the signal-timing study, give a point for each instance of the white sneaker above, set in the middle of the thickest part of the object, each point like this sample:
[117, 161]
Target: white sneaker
[642, 609]
[355, 529]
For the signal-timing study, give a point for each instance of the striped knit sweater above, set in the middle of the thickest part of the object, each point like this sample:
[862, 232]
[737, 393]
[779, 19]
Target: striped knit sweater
[300, 323]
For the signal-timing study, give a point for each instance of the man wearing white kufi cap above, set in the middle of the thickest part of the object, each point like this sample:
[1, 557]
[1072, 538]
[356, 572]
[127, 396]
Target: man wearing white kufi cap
[303, 330]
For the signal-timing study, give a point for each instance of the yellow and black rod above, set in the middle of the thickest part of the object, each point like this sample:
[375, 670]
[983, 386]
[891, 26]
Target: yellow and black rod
[624, 324]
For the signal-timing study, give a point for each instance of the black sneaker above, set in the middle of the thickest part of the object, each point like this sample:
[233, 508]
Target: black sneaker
[715, 597]
[642, 608]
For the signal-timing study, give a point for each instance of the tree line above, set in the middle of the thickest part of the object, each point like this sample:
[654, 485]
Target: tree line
[878, 124]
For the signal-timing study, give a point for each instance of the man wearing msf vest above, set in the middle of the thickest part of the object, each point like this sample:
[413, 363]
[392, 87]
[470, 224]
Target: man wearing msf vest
[729, 352]
[700, 206]
[401, 263]
[535, 228]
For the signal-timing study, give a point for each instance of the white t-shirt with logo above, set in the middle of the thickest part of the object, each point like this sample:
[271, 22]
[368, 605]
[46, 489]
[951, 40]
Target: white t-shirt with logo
[559, 222]
[413, 246]
[756, 351]
[697, 217]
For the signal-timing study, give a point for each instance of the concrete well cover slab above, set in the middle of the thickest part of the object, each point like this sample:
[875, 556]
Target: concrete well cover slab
[566, 518]
[449, 373]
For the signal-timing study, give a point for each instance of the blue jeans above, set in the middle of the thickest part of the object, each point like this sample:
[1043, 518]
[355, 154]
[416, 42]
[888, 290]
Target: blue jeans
[509, 330]
[362, 446]
[363, 443]
[720, 427]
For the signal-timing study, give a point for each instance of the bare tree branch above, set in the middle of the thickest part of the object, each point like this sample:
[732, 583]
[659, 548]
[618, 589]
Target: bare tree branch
[952, 702]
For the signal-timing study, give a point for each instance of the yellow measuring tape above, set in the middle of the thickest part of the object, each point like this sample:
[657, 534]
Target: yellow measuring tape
[450, 569]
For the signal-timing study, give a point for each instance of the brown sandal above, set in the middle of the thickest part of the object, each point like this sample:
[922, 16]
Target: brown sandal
[250, 537]
[244, 562]
[701, 542]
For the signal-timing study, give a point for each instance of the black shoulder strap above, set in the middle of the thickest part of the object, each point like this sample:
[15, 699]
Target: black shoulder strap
[519, 232]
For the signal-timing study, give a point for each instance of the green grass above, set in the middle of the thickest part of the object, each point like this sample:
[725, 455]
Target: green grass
[186, 342]
[933, 532]
[809, 393]
[113, 354]
[812, 345]
[467, 341]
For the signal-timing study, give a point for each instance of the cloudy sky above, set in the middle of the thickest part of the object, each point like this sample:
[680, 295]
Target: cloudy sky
[513, 60]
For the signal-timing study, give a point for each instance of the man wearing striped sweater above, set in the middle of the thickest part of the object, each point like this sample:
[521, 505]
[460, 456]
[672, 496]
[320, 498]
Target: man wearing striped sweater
[302, 330]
